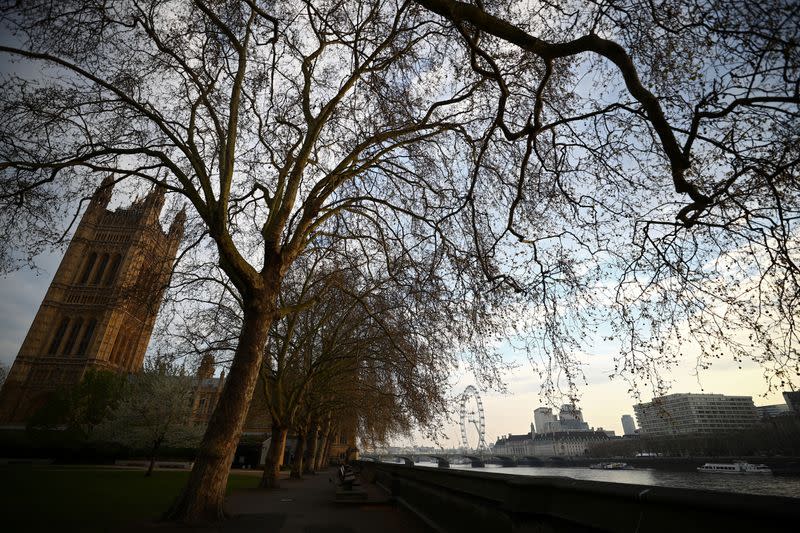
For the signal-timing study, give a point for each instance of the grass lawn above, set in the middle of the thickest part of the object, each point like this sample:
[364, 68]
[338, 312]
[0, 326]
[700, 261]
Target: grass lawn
[65, 498]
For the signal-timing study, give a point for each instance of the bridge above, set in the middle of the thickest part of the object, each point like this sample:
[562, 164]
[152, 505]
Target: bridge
[443, 460]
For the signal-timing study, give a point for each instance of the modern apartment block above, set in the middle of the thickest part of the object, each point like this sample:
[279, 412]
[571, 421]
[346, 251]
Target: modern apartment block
[680, 414]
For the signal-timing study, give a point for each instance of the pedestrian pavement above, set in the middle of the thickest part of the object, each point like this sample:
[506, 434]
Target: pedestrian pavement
[309, 505]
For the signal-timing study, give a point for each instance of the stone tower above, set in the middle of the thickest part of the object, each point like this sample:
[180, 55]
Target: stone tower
[101, 306]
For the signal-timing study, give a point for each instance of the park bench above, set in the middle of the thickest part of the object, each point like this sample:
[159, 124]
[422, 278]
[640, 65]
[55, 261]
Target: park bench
[347, 478]
[348, 487]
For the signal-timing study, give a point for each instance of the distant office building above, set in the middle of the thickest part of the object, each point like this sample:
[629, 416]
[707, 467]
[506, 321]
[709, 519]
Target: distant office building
[792, 399]
[544, 420]
[569, 419]
[677, 414]
[628, 425]
[771, 411]
[570, 412]
[572, 424]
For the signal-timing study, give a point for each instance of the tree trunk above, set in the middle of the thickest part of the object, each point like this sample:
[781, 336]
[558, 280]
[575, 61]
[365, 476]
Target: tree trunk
[326, 448]
[300, 450]
[272, 464]
[310, 466]
[202, 497]
[326, 451]
[153, 453]
[323, 445]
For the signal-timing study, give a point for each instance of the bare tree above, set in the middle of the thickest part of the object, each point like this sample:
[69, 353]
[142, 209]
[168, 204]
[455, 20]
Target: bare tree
[651, 147]
[355, 337]
[268, 130]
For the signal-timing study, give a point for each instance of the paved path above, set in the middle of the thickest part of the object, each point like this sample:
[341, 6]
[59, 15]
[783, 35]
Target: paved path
[307, 506]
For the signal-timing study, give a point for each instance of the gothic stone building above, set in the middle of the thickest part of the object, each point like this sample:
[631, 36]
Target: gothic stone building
[100, 308]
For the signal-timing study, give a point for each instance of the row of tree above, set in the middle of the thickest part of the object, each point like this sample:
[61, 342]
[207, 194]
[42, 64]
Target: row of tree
[358, 351]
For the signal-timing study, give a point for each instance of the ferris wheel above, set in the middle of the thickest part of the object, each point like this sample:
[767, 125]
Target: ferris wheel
[472, 415]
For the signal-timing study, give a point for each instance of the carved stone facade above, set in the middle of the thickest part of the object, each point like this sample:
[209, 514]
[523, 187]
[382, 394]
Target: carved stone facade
[206, 392]
[101, 306]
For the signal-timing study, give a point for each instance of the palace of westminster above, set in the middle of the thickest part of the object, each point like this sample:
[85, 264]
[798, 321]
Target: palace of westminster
[100, 310]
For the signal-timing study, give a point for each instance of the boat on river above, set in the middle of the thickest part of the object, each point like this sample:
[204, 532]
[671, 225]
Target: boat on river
[611, 466]
[739, 467]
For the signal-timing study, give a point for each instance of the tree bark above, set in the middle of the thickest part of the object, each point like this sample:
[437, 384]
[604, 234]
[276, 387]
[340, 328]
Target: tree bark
[324, 445]
[153, 453]
[299, 452]
[326, 452]
[272, 463]
[202, 497]
[310, 466]
[326, 449]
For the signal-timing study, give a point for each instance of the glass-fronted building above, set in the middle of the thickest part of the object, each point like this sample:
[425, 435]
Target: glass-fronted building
[680, 414]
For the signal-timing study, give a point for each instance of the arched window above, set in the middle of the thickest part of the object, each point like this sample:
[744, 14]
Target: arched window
[112, 271]
[87, 269]
[87, 336]
[73, 336]
[100, 269]
[59, 336]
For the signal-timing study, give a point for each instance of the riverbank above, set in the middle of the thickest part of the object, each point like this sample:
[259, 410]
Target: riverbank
[756, 484]
[678, 464]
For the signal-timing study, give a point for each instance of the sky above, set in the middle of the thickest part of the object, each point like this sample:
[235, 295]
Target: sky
[603, 401]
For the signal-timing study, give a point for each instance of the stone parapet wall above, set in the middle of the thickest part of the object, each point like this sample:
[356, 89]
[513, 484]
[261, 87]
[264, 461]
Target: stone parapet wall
[453, 500]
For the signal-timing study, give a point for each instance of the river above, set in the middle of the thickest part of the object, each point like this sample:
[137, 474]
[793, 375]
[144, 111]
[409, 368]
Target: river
[747, 484]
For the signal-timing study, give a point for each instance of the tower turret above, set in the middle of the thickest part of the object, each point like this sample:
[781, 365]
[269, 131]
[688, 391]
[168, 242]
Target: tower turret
[154, 202]
[176, 228]
[102, 195]
[206, 368]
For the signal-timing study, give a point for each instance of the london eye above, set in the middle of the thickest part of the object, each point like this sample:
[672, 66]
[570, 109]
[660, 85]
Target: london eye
[471, 415]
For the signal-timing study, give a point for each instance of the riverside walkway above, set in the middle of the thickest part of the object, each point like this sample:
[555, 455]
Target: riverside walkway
[308, 506]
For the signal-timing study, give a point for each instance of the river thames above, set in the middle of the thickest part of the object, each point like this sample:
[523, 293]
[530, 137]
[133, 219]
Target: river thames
[747, 484]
